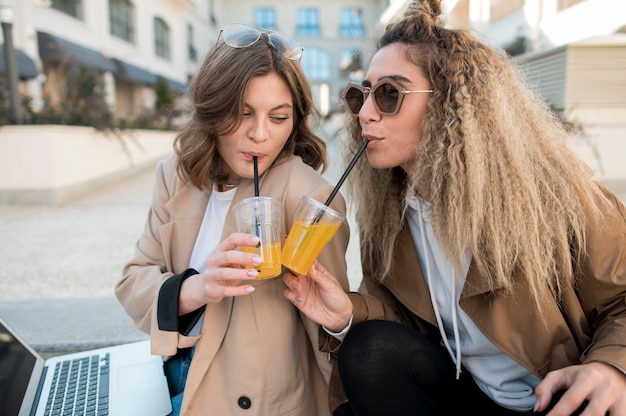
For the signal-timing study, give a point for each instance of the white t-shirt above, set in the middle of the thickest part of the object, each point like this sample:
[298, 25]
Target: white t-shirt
[209, 235]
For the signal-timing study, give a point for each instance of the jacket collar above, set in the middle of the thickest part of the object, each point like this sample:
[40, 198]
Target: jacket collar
[413, 292]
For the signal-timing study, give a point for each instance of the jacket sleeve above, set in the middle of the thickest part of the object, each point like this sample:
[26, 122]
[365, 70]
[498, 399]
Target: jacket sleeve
[601, 287]
[168, 304]
[144, 273]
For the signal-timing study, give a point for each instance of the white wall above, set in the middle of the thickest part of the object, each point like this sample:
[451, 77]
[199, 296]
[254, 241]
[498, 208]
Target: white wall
[50, 164]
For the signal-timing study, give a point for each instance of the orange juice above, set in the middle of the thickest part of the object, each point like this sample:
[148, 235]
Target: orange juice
[305, 242]
[270, 252]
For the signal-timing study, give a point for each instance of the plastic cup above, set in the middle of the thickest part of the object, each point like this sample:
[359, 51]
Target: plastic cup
[313, 227]
[262, 217]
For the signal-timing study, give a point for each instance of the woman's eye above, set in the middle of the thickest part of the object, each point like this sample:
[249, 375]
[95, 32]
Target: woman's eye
[279, 119]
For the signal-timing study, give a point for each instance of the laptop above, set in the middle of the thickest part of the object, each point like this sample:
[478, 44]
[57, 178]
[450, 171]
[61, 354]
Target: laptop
[118, 381]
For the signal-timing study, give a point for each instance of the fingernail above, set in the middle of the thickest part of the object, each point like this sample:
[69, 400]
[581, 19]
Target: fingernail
[255, 240]
[249, 289]
[257, 259]
[253, 273]
[299, 298]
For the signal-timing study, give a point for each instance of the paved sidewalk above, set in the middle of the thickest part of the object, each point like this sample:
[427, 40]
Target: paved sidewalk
[60, 264]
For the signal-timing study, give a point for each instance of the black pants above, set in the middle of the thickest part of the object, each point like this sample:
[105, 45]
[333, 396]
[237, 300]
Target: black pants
[389, 369]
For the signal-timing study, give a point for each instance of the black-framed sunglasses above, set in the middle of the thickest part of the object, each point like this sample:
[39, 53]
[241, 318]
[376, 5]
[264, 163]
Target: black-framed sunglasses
[387, 95]
[239, 35]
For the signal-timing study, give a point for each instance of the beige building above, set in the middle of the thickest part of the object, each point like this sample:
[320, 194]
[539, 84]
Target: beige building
[335, 34]
[574, 51]
[134, 44]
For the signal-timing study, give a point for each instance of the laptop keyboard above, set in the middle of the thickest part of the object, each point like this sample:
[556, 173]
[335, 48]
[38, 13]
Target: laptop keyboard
[80, 387]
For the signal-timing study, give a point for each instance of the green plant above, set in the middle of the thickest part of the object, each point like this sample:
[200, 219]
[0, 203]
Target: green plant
[82, 102]
[5, 110]
[6, 113]
[164, 104]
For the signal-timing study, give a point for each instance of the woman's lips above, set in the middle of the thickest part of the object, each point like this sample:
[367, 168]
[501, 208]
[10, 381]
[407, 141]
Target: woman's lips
[250, 156]
[372, 141]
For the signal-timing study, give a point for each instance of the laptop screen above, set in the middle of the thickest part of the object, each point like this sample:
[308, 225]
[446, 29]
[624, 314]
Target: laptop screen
[16, 366]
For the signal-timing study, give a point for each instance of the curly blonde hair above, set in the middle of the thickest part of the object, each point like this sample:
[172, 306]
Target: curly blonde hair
[492, 161]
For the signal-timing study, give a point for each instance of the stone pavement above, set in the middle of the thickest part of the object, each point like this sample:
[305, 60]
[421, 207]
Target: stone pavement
[58, 265]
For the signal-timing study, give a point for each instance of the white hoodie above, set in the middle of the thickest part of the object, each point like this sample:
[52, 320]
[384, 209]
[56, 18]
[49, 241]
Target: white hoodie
[501, 378]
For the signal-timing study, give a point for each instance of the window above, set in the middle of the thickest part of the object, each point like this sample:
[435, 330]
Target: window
[316, 64]
[351, 25]
[71, 7]
[161, 38]
[265, 17]
[121, 19]
[308, 25]
[500, 9]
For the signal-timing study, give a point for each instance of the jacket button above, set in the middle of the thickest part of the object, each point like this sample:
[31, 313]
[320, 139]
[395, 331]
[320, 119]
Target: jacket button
[244, 402]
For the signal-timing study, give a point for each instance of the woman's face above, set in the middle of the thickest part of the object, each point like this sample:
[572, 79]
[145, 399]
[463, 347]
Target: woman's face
[266, 124]
[392, 139]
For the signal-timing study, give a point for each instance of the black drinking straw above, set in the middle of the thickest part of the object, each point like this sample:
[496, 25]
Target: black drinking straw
[356, 156]
[256, 175]
[345, 174]
[320, 214]
[256, 191]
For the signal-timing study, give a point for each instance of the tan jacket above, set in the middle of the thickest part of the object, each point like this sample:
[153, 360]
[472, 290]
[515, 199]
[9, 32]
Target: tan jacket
[589, 324]
[258, 348]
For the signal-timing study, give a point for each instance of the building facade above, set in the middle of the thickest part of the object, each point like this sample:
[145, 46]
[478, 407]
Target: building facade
[335, 34]
[136, 44]
[132, 45]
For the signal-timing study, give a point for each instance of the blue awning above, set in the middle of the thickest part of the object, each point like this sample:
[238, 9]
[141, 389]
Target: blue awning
[128, 72]
[176, 86]
[55, 49]
[26, 67]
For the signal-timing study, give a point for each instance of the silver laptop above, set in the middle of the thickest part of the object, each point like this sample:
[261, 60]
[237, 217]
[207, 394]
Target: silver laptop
[120, 380]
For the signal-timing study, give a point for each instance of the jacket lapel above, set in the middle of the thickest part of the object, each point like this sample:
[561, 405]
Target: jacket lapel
[408, 284]
[186, 208]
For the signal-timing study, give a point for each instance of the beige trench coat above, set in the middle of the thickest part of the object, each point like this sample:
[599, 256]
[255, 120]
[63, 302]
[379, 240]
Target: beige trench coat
[258, 348]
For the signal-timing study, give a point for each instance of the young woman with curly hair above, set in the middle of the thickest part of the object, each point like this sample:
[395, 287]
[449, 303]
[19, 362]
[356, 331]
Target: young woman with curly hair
[494, 267]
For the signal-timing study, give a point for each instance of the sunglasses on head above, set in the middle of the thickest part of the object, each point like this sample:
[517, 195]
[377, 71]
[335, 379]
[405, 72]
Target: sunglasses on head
[238, 35]
[387, 95]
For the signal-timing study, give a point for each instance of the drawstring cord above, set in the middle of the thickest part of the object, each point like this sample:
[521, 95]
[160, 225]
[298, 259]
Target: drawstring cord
[457, 341]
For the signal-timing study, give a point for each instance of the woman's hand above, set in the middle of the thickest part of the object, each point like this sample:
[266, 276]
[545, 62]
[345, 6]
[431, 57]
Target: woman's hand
[320, 297]
[225, 270]
[601, 384]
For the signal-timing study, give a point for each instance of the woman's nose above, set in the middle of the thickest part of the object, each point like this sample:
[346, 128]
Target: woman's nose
[368, 111]
[257, 131]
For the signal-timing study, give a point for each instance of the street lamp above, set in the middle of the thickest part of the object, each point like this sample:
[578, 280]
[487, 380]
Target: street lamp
[6, 19]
